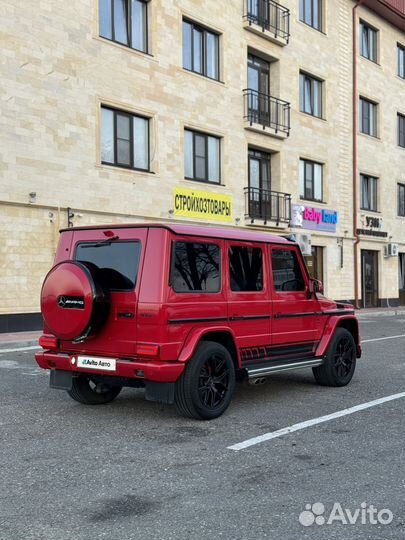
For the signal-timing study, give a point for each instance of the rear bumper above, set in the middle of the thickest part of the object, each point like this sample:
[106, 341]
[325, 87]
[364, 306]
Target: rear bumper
[152, 370]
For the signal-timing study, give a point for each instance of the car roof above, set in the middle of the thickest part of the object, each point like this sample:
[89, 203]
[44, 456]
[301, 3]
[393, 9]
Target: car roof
[196, 230]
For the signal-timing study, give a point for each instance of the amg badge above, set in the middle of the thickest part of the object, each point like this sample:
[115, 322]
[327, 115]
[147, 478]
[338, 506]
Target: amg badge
[71, 302]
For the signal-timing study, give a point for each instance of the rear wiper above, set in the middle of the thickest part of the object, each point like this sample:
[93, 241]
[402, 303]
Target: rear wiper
[105, 242]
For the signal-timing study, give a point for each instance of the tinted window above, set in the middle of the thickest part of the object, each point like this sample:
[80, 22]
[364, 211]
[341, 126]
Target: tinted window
[116, 264]
[195, 267]
[246, 268]
[287, 275]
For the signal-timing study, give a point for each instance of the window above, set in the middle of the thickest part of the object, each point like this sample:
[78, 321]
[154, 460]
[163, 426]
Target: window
[195, 267]
[125, 22]
[401, 61]
[246, 268]
[368, 42]
[287, 274]
[124, 139]
[310, 95]
[401, 200]
[311, 180]
[201, 157]
[200, 50]
[368, 117]
[311, 13]
[401, 130]
[116, 264]
[368, 192]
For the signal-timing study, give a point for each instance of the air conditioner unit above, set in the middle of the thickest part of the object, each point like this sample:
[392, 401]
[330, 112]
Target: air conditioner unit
[304, 241]
[391, 250]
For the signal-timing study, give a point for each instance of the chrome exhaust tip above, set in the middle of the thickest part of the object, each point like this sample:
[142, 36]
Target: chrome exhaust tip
[257, 380]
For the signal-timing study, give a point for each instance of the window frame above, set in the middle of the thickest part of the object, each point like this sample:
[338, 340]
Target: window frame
[401, 132]
[376, 187]
[172, 264]
[206, 157]
[131, 116]
[401, 61]
[204, 57]
[312, 80]
[301, 14]
[303, 195]
[372, 129]
[365, 26]
[401, 195]
[128, 22]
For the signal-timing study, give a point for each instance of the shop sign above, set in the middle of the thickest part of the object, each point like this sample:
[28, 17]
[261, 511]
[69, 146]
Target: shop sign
[316, 219]
[192, 203]
[371, 226]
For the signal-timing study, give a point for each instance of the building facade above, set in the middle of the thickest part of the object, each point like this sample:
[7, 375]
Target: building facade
[285, 117]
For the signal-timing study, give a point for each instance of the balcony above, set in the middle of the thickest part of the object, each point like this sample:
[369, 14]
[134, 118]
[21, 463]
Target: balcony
[267, 206]
[267, 18]
[266, 114]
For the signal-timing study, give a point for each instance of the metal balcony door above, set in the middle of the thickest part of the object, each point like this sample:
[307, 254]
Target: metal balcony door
[259, 82]
[259, 11]
[260, 184]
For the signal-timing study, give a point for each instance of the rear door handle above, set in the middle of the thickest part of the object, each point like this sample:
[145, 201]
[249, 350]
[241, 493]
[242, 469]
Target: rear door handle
[125, 315]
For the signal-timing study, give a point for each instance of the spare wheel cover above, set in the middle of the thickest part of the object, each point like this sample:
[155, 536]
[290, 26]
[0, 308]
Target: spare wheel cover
[73, 304]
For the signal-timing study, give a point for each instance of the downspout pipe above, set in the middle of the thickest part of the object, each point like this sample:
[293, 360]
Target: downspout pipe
[355, 160]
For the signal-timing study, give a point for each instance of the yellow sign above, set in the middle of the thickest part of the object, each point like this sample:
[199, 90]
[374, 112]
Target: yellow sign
[202, 204]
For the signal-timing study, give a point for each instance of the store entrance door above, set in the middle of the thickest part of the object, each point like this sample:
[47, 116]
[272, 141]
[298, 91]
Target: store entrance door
[315, 263]
[401, 271]
[369, 277]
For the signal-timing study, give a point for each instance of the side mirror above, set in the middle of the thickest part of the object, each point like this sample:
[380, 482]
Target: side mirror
[315, 286]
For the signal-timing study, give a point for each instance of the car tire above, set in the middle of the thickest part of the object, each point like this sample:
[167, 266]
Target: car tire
[85, 391]
[205, 389]
[340, 360]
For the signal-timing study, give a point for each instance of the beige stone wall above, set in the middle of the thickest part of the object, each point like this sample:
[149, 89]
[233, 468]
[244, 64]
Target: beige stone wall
[381, 156]
[56, 72]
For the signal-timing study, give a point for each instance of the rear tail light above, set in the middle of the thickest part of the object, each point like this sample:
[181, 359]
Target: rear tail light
[49, 342]
[147, 350]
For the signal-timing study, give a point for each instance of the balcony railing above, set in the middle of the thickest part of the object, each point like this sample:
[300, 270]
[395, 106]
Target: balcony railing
[267, 205]
[269, 15]
[267, 111]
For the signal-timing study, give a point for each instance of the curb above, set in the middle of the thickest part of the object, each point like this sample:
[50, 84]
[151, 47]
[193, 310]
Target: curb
[19, 344]
[386, 313]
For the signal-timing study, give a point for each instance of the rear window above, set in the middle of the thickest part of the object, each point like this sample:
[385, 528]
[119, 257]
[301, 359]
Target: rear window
[195, 267]
[117, 263]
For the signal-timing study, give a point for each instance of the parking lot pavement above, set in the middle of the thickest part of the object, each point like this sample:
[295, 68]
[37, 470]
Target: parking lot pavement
[135, 470]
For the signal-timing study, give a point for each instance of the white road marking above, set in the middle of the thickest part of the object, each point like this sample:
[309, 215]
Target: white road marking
[33, 348]
[313, 422]
[382, 338]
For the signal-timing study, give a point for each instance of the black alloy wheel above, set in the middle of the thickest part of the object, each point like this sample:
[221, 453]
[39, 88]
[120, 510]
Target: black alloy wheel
[206, 386]
[89, 392]
[339, 362]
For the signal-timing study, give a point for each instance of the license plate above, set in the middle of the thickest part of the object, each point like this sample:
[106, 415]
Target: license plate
[96, 362]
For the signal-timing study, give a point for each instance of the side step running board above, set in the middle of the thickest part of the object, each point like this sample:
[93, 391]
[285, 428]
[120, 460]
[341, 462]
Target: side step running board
[260, 370]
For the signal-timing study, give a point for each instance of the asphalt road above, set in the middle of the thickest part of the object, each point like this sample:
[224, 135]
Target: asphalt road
[135, 470]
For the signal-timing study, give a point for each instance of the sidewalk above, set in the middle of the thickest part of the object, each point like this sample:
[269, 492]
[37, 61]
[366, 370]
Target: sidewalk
[14, 340]
[30, 339]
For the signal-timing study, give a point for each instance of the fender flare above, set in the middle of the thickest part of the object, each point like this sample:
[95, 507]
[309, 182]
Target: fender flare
[196, 334]
[336, 322]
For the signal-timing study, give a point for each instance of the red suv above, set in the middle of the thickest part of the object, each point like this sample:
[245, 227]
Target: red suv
[184, 311]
